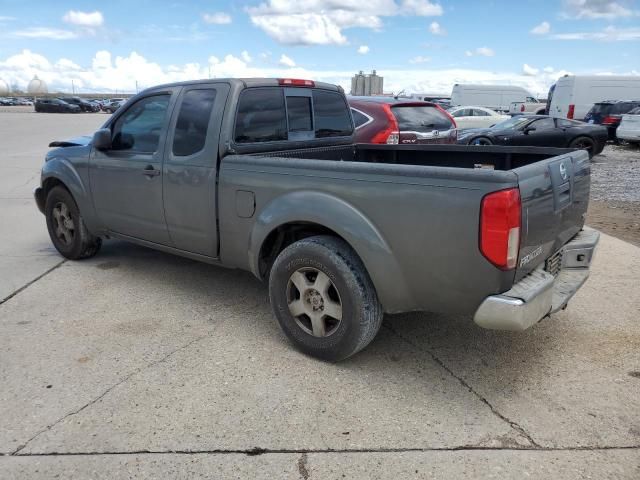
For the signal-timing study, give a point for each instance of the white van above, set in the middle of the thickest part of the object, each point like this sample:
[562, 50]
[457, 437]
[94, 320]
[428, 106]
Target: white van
[495, 97]
[573, 95]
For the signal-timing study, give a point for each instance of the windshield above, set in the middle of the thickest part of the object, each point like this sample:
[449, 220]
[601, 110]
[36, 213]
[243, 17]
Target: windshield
[514, 122]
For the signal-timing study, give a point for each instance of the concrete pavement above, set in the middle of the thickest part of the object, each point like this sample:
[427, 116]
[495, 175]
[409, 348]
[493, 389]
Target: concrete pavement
[140, 364]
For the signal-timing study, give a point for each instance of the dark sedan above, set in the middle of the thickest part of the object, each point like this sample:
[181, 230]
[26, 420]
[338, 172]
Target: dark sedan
[539, 131]
[55, 105]
[84, 105]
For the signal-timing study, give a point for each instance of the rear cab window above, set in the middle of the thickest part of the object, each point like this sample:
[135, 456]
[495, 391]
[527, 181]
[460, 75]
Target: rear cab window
[269, 114]
[420, 118]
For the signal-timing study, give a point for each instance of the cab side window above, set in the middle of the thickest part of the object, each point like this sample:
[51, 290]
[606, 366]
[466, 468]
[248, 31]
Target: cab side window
[261, 116]
[138, 129]
[331, 112]
[193, 121]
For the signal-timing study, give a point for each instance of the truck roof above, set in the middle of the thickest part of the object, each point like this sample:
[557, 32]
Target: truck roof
[248, 82]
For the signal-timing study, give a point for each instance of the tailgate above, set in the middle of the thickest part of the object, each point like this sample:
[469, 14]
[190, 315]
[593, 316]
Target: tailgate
[555, 197]
[515, 107]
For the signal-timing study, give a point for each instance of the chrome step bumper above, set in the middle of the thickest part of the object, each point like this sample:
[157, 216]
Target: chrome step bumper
[540, 294]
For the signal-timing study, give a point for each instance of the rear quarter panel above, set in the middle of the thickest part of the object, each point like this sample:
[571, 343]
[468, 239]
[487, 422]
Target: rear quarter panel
[415, 227]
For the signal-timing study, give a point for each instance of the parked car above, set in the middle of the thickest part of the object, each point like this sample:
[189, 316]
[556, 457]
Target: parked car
[55, 105]
[629, 128]
[539, 130]
[381, 228]
[7, 102]
[495, 97]
[573, 95]
[390, 120]
[609, 114]
[113, 105]
[85, 106]
[475, 117]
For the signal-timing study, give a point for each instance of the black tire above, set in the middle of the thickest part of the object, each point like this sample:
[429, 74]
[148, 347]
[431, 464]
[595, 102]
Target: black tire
[351, 288]
[484, 141]
[584, 143]
[66, 227]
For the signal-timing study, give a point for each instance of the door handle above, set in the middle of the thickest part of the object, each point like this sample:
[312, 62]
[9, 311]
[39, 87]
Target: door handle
[150, 171]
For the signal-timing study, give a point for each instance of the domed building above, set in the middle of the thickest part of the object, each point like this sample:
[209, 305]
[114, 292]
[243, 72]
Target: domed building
[37, 87]
[4, 88]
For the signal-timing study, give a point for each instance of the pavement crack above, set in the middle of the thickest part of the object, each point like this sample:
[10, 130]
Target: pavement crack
[103, 394]
[310, 451]
[302, 467]
[27, 285]
[514, 425]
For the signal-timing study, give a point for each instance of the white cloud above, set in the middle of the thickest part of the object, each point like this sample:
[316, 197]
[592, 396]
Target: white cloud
[363, 49]
[322, 22]
[485, 52]
[423, 8]
[548, 70]
[419, 59]
[609, 34]
[84, 19]
[480, 51]
[218, 18]
[596, 9]
[436, 29]
[529, 70]
[286, 61]
[246, 57]
[44, 32]
[106, 73]
[542, 29]
[4, 18]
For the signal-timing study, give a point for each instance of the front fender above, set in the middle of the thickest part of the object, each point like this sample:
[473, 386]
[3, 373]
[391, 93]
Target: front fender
[63, 170]
[348, 222]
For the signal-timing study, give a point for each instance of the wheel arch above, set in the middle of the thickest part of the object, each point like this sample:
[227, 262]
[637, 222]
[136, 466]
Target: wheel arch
[283, 222]
[59, 171]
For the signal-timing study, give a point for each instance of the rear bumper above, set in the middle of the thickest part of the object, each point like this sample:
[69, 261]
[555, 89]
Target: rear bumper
[540, 293]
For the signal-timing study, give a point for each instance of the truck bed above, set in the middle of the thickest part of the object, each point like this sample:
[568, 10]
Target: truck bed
[426, 199]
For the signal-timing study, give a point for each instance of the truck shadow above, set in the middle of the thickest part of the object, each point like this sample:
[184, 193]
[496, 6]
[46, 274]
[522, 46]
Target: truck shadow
[452, 342]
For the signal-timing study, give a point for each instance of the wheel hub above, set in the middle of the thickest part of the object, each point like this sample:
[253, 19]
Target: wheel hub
[314, 299]
[314, 302]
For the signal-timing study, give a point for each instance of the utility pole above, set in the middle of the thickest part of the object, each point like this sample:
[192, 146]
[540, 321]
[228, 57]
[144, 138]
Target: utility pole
[136, 86]
[73, 88]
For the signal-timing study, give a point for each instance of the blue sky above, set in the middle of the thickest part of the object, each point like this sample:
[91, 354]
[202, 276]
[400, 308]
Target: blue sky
[418, 45]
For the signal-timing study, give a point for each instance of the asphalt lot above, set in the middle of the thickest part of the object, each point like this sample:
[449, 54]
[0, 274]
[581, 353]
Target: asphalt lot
[138, 363]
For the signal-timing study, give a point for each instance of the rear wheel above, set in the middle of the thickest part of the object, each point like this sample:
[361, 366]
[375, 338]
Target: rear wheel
[324, 299]
[480, 141]
[584, 143]
[66, 227]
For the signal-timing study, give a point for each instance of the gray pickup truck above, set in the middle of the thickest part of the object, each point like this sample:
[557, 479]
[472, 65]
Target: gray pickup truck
[263, 175]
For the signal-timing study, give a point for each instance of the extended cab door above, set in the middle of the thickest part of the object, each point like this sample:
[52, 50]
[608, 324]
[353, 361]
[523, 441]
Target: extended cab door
[190, 168]
[126, 180]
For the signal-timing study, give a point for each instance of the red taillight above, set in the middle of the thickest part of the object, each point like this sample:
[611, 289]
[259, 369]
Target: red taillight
[522, 108]
[611, 120]
[391, 134]
[296, 82]
[500, 228]
[571, 111]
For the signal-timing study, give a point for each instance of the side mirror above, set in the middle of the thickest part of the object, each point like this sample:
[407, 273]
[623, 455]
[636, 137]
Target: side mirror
[528, 130]
[102, 139]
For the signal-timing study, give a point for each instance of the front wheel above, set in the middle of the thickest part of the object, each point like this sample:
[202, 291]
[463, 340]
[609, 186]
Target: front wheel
[584, 143]
[482, 141]
[323, 298]
[66, 227]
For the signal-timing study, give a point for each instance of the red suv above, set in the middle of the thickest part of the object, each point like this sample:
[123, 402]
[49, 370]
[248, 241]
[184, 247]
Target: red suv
[390, 120]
